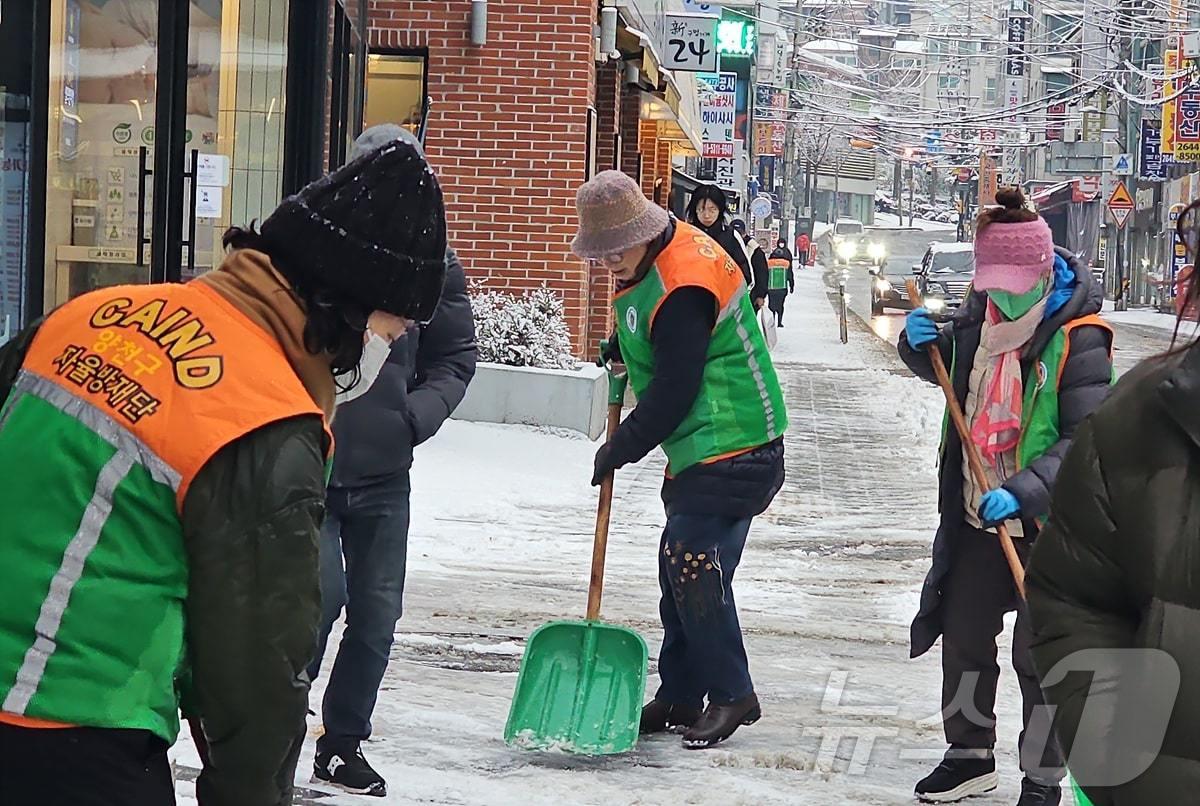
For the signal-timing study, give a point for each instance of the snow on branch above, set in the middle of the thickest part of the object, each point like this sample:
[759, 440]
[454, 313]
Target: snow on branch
[529, 330]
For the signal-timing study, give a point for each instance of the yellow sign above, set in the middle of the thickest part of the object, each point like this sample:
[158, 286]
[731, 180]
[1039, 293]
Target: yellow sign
[1171, 66]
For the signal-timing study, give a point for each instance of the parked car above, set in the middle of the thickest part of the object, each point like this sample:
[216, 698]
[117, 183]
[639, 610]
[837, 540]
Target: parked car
[888, 291]
[851, 245]
[945, 274]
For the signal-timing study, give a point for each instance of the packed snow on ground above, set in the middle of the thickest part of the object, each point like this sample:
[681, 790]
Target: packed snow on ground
[501, 542]
[1150, 317]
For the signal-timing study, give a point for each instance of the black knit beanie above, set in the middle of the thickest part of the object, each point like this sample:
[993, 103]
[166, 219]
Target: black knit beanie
[374, 232]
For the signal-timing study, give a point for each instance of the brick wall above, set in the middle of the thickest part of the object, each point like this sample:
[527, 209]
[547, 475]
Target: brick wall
[507, 134]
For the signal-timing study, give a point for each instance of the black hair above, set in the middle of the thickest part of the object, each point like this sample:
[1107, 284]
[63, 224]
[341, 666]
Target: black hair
[333, 324]
[1011, 209]
[710, 193]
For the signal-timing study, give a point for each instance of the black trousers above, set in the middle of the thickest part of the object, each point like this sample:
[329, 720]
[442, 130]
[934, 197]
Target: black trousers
[976, 594]
[83, 767]
[775, 302]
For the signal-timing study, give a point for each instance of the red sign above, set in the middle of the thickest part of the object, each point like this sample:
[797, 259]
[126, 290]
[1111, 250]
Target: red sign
[1056, 116]
[718, 151]
[1120, 205]
[987, 135]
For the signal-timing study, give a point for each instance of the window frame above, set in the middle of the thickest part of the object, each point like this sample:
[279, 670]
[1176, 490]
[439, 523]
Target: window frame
[412, 53]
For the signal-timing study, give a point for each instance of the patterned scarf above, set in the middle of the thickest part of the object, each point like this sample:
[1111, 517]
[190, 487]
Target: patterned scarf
[997, 427]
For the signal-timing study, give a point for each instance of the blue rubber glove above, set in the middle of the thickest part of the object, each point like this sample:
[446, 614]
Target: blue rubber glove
[920, 328]
[997, 506]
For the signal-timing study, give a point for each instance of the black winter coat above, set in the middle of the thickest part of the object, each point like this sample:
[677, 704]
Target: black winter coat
[1086, 381]
[1118, 567]
[420, 385]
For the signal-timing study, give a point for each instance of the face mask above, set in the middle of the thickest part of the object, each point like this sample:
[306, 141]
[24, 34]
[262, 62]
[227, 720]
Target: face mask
[1014, 306]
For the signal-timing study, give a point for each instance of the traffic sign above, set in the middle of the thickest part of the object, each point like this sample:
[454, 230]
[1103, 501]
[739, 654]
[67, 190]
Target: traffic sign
[1123, 165]
[1120, 205]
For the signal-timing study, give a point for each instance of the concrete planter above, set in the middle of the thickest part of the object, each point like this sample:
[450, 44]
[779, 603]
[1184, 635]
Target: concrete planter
[560, 398]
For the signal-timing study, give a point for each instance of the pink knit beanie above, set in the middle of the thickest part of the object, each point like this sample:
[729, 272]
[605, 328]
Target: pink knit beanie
[1012, 256]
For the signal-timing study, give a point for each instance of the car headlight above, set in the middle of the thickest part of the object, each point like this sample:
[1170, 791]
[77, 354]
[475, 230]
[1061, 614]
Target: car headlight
[935, 304]
[882, 285]
[846, 250]
[876, 251]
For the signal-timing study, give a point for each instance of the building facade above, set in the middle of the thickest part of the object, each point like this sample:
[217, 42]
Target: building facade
[135, 132]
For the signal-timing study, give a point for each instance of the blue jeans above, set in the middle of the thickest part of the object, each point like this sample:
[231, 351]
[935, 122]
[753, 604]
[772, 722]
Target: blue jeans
[367, 528]
[702, 652]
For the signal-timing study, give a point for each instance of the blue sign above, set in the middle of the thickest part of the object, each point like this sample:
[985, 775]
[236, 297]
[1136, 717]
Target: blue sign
[1153, 165]
[700, 7]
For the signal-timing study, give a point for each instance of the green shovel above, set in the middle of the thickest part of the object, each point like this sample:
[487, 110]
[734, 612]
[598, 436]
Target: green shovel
[581, 683]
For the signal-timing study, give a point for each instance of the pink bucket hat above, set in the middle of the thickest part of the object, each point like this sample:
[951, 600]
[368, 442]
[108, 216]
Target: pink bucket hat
[615, 216]
[1013, 257]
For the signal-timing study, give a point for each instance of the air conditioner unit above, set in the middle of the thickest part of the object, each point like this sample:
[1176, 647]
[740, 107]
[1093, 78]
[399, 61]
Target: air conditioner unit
[1071, 134]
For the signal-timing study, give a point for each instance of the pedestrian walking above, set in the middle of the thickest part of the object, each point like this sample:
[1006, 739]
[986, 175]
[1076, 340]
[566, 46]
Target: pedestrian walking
[758, 264]
[803, 244]
[1030, 359]
[781, 281]
[708, 395]
[708, 210]
[1117, 570]
[166, 447]
[364, 542]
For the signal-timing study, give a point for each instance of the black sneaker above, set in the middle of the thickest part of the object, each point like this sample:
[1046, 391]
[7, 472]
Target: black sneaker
[1035, 794]
[348, 770]
[718, 722]
[958, 778]
[659, 716]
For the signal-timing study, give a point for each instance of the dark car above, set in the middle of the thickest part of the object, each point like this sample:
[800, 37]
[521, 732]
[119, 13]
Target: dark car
[888, 291]
[945, 275]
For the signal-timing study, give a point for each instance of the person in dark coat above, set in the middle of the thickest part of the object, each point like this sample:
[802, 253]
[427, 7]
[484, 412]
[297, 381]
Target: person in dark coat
[758, 263]
[707, 393]
[709, 211]
[1117, 569]
[781, 280]
[1030, 360]
[365, 538]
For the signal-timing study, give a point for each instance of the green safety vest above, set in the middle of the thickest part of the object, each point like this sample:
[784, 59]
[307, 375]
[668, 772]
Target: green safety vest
[1039, 410]
[777, 272]
[740, 406]
[123, 396]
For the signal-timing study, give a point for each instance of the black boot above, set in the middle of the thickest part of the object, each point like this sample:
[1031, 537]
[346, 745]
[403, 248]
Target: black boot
[1035, 794]
[957, 778]
[659, 716]
[347, 769]
[718, 722]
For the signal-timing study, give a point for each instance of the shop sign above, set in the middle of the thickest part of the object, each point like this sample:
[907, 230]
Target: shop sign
[700, 7]
[1152, 167]
[987, 181]
[718, 114]
[1179, 256]
[735, 37]
[1187, 127]
[1170, 67]
[1056, 115]
[1018, 28]
[691, 43]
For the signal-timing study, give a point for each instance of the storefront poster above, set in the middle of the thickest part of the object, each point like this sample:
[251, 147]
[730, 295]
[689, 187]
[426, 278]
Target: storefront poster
[1151, 166]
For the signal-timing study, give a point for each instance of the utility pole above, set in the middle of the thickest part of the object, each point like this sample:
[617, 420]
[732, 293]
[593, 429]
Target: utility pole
[1128, 139]
[791, 198]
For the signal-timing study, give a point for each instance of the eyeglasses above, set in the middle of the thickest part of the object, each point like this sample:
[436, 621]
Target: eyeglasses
[607, 260]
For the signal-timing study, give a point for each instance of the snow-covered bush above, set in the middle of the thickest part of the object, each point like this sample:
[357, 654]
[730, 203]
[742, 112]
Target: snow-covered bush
[525, 331]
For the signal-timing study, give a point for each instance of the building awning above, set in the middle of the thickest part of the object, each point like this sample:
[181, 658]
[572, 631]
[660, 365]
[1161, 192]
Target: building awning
[631, 40]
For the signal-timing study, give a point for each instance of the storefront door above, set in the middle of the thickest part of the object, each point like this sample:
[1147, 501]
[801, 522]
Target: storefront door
[151, 155]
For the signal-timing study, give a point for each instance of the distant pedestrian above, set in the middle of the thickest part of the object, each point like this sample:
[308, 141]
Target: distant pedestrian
[758, 264]
[1030, 360]
[781, 280]
[708, 395]
[161, 515]
[364, 541]
[708, 210]
[1117, 569]
[803, 244]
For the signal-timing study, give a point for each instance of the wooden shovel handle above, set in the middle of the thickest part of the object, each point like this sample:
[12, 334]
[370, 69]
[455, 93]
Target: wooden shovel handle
[964, 432]
[603, 513]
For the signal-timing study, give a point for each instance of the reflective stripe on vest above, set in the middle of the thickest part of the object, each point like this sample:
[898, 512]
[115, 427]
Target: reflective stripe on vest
[124, 395]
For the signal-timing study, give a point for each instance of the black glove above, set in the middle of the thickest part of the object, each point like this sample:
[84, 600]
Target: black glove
[605, 464]
[611, 352]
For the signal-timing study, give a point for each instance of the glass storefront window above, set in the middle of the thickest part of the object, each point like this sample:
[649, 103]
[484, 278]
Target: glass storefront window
[104, 89]
[395, 90]
[16, 65]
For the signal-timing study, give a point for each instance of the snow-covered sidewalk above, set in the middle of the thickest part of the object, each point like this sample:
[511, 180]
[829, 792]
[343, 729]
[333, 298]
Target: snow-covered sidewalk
[501, 539]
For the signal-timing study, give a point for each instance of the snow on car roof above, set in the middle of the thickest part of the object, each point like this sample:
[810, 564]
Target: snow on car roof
[951, 247]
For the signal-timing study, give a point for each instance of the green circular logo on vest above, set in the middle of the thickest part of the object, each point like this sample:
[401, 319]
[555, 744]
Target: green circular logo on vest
[631, 319]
